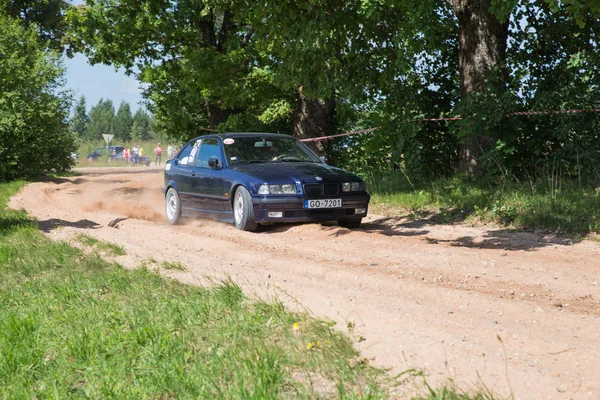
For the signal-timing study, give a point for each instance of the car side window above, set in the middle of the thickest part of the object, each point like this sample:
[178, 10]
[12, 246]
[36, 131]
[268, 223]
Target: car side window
[185, 155]
[208, 149]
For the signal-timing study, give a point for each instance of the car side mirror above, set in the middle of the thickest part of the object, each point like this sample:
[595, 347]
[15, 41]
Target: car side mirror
[213, 163]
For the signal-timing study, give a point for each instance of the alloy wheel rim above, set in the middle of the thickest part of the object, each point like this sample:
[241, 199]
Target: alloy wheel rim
[172, 206]
[239, 208]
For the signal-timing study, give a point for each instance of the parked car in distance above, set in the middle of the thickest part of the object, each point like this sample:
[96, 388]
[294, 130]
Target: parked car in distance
[102, 152]
[260, 178]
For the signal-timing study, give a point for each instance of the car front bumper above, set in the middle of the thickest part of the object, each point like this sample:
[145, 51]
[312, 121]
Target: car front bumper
[293, 210]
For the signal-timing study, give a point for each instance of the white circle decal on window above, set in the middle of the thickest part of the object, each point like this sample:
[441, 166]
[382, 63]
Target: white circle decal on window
[228, 141]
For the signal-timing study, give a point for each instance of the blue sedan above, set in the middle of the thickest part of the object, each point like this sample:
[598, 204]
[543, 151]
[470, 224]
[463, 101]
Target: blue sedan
[260, 178]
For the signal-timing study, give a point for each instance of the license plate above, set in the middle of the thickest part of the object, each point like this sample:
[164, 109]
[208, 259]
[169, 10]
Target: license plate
[323, 203]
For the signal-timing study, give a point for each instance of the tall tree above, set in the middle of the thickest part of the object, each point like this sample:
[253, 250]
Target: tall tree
[123, 122]
[102, 117]
[140, 129]
[34, 108]
[48, 17]
[482, 49]
[80, 119]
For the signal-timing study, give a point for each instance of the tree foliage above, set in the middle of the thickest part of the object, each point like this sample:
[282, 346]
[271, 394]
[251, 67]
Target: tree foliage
[140, 129]
[34, 134]
[102, 120]
[46, 16]
[123, 122]
[80, 120]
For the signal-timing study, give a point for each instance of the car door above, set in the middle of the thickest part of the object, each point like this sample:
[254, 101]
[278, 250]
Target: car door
[181, 172]
[206, 183]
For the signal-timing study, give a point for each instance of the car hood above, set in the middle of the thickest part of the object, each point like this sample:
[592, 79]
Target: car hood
[295, 171]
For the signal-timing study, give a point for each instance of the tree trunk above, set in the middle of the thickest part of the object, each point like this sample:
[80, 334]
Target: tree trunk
[482, 48]
[314, 118]
[216, 115]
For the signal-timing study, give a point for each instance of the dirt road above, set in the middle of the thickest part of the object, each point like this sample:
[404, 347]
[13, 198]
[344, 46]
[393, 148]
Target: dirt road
[515, 311]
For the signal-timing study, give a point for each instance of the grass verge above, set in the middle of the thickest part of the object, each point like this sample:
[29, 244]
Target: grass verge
[109, 248]
[562, 209]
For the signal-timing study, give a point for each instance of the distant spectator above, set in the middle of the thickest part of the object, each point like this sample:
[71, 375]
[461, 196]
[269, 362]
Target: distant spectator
[170, 151]
[126, 155]
[140, 154]
[158, 151]
[135, 151]
[175, 152]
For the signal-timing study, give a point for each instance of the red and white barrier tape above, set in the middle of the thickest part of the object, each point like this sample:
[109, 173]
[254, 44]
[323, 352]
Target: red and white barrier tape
[518, 113]
[513, 114]
[318, 139]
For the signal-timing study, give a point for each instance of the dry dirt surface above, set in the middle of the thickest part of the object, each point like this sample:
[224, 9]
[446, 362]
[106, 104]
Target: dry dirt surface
[516, 312]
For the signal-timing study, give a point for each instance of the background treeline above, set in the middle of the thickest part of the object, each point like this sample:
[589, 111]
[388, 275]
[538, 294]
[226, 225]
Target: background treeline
[102, 119]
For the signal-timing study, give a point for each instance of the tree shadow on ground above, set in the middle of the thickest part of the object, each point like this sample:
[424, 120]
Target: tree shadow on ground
[122, 171]
[51, 224]
[79, 180]
[10, 221]
[508, 239]
[500, 239]
[379, 226]
[491, 237]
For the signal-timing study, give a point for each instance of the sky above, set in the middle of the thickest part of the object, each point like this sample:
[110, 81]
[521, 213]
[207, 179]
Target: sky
[101, 81]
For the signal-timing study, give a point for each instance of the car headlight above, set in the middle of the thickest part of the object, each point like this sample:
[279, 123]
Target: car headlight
[353, 187]
[277, 189]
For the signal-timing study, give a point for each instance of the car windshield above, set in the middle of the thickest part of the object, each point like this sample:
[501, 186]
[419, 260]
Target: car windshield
[266, 149]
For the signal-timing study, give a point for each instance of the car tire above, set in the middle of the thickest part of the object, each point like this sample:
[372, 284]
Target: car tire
[350, 224]
[172, 206]
[243, 211]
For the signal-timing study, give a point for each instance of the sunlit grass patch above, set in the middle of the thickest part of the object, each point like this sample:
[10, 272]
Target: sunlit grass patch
[102, 245]
[175, 265]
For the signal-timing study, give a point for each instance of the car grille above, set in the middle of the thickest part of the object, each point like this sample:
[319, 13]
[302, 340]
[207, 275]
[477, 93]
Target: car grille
[312, 189]
[321, 189]
[330, 189]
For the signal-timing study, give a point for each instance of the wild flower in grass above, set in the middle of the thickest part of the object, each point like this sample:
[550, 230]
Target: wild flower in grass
[313, 345]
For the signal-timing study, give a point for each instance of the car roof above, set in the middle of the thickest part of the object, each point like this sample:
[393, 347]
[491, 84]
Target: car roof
[245, 134]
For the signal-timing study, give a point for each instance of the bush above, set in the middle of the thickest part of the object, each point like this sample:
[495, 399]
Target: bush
[34, 135]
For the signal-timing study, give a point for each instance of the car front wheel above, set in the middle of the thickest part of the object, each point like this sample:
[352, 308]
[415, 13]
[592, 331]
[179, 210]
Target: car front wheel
[243, 212]
[172, 206]
[352, 224]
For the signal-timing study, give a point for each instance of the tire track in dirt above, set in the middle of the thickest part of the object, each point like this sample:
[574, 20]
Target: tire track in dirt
[424, 296]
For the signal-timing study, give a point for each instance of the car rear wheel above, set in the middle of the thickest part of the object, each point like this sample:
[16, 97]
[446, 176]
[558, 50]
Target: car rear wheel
[243, 212]
[172, 206]
[350, 224]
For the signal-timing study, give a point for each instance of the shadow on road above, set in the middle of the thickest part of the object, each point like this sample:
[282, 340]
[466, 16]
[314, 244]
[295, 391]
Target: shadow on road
[507, 239]
[53, 223]
[501, 239]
